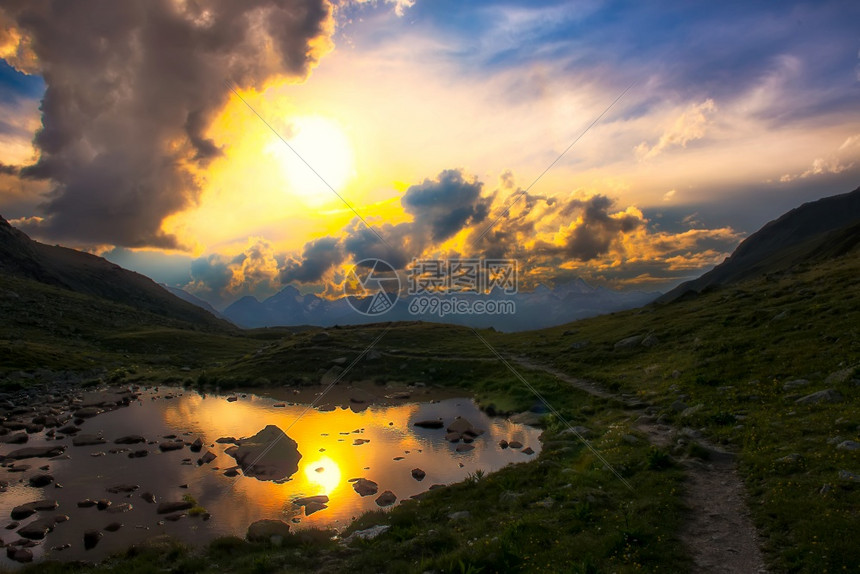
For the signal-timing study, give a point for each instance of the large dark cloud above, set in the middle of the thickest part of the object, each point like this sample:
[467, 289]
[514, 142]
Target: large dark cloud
[596, 229]
[318, 257]
[443, 206]
[131, 87]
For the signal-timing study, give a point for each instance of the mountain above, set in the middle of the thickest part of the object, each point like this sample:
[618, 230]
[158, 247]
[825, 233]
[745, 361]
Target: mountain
[543, 307]
[813, 232]
[194, 300]
[23, 258]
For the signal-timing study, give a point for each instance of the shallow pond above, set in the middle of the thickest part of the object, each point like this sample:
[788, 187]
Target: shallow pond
[378, 442]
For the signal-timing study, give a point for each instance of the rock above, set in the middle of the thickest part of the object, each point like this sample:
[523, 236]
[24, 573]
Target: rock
[232, 399]
[690, 411]
[264, 530]
[430, 424]
[849, 476]
[231, 472]
[36, 452]
[130, 439]
[123, 488]
[460, 426]
[87, 412]
[628, 343]
[207, 457]
[839, 376]
[577, 431]
[171, 507]
[23, 555]
[527, 418]
[312, 507]
[825, 396]
[795, 384]
[453, 437]
[16, 438]
[367, 533]
[503, 444]
[138, 453]
[360, 441]
[92, 538]
[528, 450]
[113, 526]
[319, 499]
[87, 440]
[365, 487]
[464, 447]
[679, 406]
[227, 440]
[331, 375]
[268, 455]
[38, 529]
[321, 337]
[120, 508]
[515, 444]
[848, 445]
[418, 474]
[40, 480]
[25, 510]
[459, 515]
[793, 458]
[175, 516]
[650, 341]
[197, 445]
[103, 504]
[168, 446]
[387, 498]
[148, 497]
[86, 503]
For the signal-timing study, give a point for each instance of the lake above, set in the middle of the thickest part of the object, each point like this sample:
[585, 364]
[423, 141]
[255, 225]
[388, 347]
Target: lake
[374, 438]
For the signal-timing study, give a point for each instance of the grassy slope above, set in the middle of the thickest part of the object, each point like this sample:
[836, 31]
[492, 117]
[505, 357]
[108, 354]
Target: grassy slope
[730, 350]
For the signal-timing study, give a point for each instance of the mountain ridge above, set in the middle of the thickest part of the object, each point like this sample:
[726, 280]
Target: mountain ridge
[88, 274]
[805, 233]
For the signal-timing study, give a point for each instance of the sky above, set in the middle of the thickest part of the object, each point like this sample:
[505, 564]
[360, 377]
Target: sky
[232, 149]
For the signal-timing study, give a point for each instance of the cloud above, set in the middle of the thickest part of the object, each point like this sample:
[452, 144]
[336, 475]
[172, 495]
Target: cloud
[318, 257]
[220, 278]
[689, 126]
[669, 194]
[400, 6]
[843, 159]
[131, 88]
[442, 207]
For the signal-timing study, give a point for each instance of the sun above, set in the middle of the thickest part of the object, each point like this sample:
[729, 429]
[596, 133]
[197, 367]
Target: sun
[324, 474]
[319, 159]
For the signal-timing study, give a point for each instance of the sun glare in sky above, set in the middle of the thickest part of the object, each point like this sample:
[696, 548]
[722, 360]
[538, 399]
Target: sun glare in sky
[319, 153]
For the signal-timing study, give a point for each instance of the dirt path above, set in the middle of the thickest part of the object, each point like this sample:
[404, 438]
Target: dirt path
[719, 535]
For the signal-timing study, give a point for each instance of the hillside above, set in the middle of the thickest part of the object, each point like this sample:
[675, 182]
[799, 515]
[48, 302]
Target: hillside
[21, 257]
[812, 232]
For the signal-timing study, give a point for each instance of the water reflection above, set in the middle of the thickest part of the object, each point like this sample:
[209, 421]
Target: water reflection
[379, 443]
